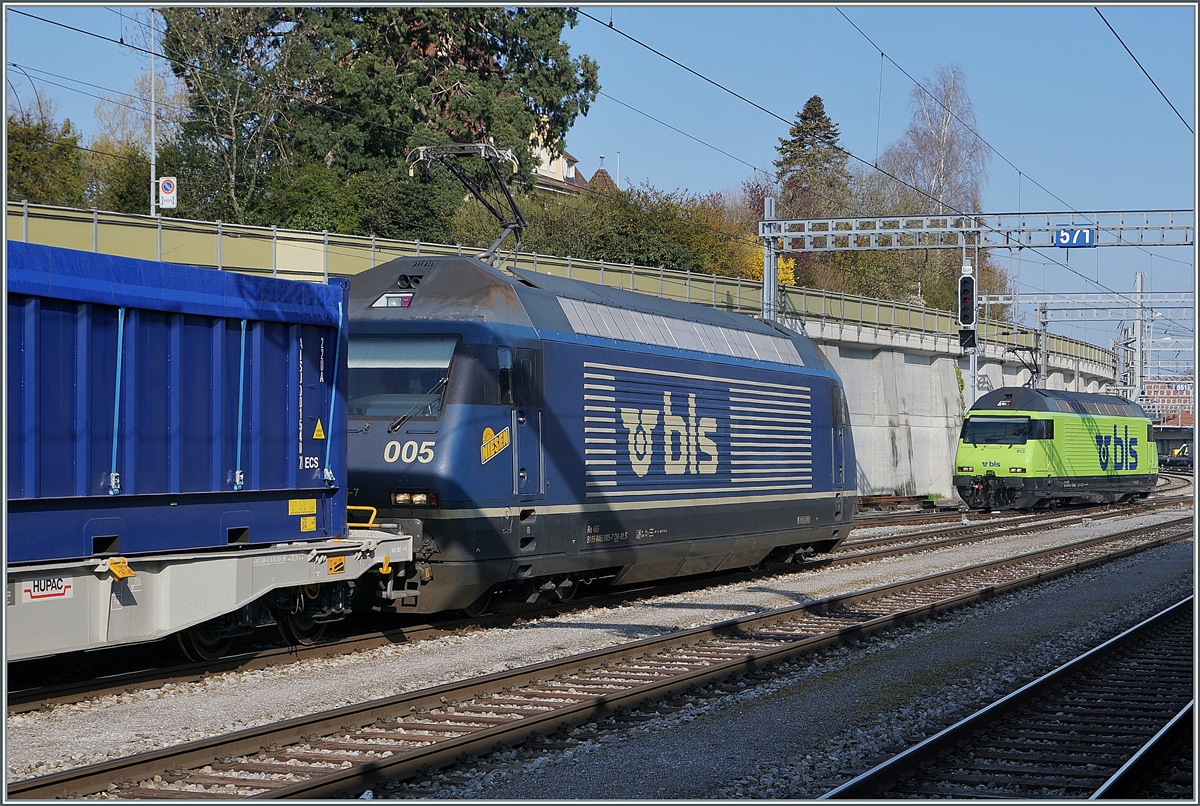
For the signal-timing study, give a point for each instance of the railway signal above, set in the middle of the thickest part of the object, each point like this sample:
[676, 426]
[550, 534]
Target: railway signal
[966, 299]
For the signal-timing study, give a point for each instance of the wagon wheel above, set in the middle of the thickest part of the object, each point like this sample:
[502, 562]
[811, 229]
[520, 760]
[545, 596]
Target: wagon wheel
[202, 643]
[300, 630]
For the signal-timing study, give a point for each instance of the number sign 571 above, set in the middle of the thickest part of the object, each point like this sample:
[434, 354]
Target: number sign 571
[1074, 237]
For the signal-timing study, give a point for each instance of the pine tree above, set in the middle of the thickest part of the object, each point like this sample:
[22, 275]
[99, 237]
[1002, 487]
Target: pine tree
[812, 166]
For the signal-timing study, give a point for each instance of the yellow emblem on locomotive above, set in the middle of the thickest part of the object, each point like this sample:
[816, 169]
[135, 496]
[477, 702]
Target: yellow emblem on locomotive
[493, 444]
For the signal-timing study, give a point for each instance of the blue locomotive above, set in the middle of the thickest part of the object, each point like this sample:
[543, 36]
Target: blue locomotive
[544, 433]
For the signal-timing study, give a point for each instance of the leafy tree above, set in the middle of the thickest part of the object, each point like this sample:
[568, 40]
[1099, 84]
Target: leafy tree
[390, 79]
[119, 176]
[272, 91]
[814, 181]
[44, 160]
[118, 162]
[394, 205]
[643, 225]
[240, 68]
[313, 198]
[197, 172]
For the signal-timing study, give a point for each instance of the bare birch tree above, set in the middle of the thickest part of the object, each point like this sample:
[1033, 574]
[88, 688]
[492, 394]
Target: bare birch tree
[940, 154]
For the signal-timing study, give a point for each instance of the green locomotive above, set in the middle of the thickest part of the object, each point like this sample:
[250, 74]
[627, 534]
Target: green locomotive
[1024, 448]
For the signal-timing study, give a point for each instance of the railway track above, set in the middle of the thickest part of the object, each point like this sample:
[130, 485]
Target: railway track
[347, 749]
[148, 673]
[1092, 728]
[853, 550]
[1174, 482]
[1168, 483]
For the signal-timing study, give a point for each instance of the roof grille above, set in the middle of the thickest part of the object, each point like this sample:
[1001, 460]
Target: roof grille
[590, 319]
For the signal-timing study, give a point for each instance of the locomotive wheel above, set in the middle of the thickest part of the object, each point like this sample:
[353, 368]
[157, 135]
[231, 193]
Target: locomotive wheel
[300, 630]
[202, 644]
[565, 593]
[480, 606]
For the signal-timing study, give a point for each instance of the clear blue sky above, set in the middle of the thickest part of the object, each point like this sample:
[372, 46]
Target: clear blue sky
[1055, 94]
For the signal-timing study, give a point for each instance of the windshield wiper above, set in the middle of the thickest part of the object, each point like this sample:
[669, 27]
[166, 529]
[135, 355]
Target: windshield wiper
[421, 401]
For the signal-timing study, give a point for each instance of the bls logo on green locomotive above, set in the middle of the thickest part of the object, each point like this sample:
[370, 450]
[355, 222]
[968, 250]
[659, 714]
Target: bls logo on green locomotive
[1123, 455]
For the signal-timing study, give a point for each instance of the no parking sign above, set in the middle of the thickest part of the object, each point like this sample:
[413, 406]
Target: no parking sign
[167, 192]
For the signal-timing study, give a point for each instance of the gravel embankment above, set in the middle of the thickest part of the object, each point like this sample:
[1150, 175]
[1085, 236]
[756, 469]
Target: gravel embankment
[113, 726]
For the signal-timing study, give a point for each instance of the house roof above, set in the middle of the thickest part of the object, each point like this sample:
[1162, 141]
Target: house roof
[601, 180]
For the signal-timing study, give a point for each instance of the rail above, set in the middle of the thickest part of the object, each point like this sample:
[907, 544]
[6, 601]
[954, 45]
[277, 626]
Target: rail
[1050, 725]
[304, 255]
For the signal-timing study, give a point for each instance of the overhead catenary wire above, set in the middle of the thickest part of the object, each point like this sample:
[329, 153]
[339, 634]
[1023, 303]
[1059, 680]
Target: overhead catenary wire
[845, 151]
[419, 134]
[733, 237]
[775, 115]
[719, 232]
[1060, 264]
[349, 116]
[128, 95]
[277, 191]
[976, 134]
[685, 134]
[399, 130]
[241, 82]
[1144, 71]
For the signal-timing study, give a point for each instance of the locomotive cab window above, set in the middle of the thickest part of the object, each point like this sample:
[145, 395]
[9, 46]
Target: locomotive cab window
[394, 376]
[996, 430]
[840, 412]
[520, 377]
[1041, 429]
[504, 359]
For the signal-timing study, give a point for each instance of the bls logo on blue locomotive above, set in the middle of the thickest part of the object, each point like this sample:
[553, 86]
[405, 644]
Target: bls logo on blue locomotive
[653, 432]
[1123, 454]
[686, 439]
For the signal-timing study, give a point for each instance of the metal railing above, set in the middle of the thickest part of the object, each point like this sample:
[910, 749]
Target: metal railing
[303, 255]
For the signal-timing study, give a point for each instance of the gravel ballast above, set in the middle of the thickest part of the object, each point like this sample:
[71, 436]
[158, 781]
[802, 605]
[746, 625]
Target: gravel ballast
[827, 717]
[108, 727]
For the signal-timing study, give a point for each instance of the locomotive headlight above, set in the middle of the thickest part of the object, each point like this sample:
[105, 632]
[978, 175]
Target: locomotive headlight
[965, 469]
[1016, 470]
[422, 499]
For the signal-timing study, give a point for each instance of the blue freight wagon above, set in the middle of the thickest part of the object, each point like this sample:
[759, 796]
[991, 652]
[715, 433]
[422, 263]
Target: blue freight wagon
[176, 455]
[549, 432]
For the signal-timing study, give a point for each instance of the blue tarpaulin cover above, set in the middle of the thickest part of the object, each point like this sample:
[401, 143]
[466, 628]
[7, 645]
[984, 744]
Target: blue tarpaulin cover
[123, 282]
